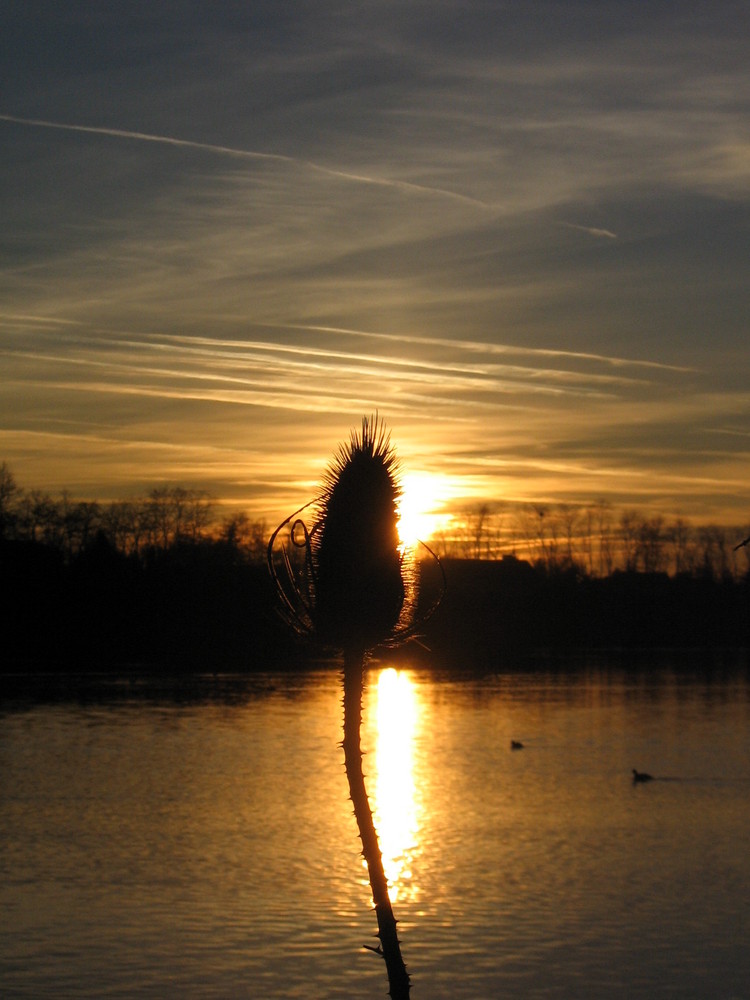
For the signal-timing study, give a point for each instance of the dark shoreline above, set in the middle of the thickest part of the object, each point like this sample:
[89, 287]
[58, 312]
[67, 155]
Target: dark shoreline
[190, 609]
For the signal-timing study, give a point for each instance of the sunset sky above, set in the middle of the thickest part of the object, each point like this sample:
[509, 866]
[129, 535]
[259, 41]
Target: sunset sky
[519, 232]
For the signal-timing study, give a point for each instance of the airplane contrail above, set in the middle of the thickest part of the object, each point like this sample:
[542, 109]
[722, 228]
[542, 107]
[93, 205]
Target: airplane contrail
[606, 234]
[169, 140]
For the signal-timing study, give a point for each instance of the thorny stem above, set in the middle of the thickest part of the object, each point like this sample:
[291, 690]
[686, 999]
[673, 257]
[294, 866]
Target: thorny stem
[398, 977]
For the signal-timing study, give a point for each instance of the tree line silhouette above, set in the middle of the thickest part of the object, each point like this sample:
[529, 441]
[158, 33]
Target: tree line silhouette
[165, 580]
[597, 539]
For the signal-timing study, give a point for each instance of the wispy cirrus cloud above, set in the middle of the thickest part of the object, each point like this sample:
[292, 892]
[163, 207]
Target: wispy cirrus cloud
[519, 233]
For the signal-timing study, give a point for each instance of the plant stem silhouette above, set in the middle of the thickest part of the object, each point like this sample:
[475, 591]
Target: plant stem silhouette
[398, 977]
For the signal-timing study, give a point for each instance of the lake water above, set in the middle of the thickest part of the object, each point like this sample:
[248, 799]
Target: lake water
[197, 841]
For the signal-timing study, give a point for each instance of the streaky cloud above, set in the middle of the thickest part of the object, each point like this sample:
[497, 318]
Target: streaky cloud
[276, 375]
[35, 322]
[281, 359]
[410, 366]
[486, 347]
[297, 401]
[730, 431]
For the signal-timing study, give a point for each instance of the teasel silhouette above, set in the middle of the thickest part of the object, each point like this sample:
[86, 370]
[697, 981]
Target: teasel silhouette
[348, 583]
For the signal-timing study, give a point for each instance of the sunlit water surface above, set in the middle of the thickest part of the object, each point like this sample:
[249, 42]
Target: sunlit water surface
[204, 846]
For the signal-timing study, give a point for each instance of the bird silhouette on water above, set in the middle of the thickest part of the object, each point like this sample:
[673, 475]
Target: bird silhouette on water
[640, 776]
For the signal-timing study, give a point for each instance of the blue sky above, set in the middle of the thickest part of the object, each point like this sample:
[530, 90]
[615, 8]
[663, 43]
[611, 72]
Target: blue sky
[520, 232]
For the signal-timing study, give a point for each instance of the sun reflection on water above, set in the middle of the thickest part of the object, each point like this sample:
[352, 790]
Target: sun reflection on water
[395, 800]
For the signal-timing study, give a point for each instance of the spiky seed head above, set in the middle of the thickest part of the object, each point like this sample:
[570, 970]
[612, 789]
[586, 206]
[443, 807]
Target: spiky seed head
[345, 581]
[359, 590]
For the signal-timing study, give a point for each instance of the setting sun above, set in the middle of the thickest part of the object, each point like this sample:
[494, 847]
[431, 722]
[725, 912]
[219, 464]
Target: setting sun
[420, 509]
